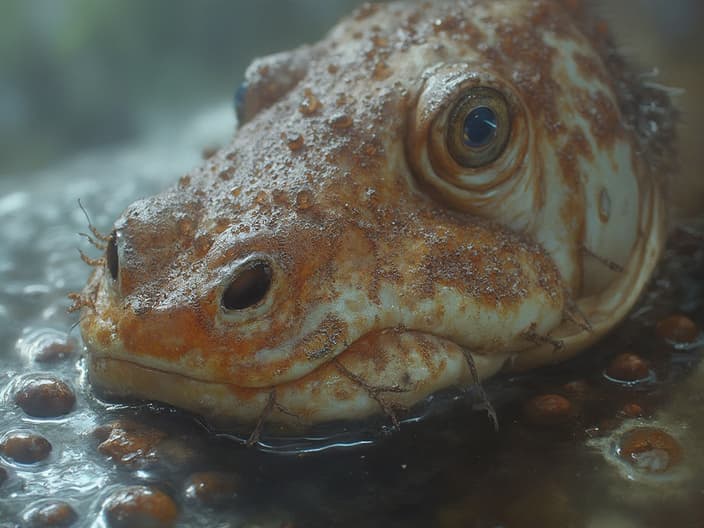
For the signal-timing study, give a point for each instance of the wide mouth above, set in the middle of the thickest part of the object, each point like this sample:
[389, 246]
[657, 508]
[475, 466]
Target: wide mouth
[383, 374]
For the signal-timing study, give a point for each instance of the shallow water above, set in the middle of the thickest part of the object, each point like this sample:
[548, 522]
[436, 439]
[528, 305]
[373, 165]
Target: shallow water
[451, 470]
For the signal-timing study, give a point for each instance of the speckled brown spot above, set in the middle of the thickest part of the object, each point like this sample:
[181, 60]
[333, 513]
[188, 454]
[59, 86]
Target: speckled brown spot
[294, 141]
[310, 104]
[321, 342]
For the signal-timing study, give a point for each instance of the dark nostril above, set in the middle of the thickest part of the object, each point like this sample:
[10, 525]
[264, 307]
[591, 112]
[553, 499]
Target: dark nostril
[249, 286]
[111, 256]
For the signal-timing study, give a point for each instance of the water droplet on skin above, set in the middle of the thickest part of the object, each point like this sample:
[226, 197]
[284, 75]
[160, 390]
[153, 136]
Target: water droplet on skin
[304, 199]
[341, 121]
[310, 103]
[293, 140]
[604, 206]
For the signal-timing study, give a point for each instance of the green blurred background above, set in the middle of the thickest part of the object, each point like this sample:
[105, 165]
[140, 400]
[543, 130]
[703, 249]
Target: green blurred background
[75, 74]
[80, 73]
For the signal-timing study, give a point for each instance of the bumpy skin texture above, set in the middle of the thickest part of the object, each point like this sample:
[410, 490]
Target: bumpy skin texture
[393, 268]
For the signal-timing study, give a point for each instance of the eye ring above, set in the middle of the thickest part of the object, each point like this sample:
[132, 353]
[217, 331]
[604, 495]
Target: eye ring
[478, 127]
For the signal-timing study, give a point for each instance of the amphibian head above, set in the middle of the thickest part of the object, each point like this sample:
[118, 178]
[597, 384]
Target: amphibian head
[431, 187]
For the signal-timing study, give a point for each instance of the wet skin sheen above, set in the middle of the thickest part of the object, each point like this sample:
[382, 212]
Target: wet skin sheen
[430, 190]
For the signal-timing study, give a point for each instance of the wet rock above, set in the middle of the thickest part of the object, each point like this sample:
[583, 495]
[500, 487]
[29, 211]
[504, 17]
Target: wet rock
[628, 368]
[45, 397]
[678, 329]
[649, 449]
[3, 475]
[25, 447]
[547, 409]
[128, 443]
[137, 446]
[140, 506]
[213, 487]
[52, 514]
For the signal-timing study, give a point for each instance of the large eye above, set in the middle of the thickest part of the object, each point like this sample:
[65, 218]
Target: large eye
[478, 127]
[469, 140]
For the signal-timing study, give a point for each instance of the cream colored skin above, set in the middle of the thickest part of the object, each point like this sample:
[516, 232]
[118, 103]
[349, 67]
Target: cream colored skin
[392, 264]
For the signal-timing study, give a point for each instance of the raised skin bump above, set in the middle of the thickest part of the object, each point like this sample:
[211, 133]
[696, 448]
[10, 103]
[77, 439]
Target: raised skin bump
[389, 259]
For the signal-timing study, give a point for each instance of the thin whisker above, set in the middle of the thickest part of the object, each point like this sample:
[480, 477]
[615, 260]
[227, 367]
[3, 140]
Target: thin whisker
[95, 243]
[97, 234]
[96, 263]
[256, 433]
[375, 393]
[613, 266]
[539, 339]
[485, 402]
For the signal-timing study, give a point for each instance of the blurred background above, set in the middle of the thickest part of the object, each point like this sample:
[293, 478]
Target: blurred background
[78, 74]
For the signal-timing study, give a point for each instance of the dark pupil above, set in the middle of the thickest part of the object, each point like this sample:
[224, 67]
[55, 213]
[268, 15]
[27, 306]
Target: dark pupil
[479, 127]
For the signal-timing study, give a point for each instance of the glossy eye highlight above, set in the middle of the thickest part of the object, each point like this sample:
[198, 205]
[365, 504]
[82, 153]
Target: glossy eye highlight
[479, 127]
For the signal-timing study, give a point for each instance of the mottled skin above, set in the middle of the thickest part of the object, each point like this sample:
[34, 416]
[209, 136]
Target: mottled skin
[393, 268]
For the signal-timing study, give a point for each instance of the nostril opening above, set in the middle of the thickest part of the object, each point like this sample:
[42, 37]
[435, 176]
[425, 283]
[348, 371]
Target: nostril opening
[111, 256]
[249, 286]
